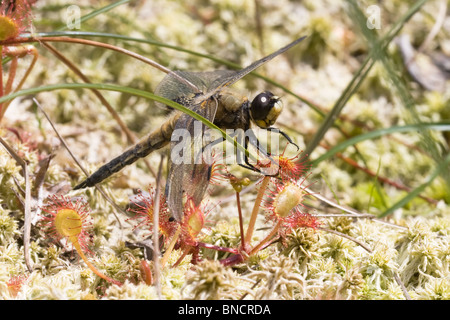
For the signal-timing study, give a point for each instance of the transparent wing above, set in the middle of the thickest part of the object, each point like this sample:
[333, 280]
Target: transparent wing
[189, 173]
[209, 83]
[171, 88]
[230, 78]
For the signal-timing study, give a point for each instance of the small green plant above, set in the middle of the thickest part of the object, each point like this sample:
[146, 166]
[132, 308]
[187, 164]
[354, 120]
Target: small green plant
[143, 211]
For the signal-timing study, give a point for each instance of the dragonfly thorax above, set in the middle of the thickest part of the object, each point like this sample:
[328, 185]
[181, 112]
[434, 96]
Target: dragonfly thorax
[265, 109]
[232, 110]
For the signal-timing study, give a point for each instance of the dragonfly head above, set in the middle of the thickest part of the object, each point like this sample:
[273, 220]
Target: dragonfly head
[265, 109]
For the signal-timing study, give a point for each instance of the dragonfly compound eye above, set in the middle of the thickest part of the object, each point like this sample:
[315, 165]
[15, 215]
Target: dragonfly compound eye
[265, 109]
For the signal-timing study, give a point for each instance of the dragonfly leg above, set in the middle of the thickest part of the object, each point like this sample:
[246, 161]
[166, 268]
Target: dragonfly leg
[284, 135]
[217, 141]
[255, 142]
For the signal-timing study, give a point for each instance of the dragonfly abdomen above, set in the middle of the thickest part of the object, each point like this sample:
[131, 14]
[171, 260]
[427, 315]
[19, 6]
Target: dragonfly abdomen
[154, 141]
[109, 168]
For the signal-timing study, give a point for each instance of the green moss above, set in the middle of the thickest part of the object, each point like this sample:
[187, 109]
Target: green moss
[8, 228]
[211, 280]
[337, 248]
[434, 289]
[320, 29]
[300, 244]
[305, 263]
[224, 234]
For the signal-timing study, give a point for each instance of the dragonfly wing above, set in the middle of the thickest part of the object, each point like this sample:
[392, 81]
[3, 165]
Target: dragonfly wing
[172, 88]
[229, 79]
[189, 173]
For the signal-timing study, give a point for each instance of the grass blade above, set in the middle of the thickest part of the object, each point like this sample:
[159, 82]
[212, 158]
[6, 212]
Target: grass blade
[442, 167]
[358, 78]
[131, 91]
[438, 126]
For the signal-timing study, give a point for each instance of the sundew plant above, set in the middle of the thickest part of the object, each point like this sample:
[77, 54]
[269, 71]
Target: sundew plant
[351, 203]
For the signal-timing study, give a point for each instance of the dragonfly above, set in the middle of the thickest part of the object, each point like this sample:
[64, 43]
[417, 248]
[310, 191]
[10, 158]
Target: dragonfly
[209, 95]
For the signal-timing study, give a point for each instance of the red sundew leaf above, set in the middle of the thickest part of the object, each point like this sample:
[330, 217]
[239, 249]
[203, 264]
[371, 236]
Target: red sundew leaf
[56, 205]
[15, 283]
[15, 17]
[143, 210]
[285, 204]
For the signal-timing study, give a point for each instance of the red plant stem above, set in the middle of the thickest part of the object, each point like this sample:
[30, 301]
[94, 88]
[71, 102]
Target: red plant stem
[29, 49]
[12, 75]
[241, 223]
[77, 246]
[267, 239]
[237, 258]
[1, 80]
[218, 248]
[379, 178]
[1, 72]
[252, 222]
[14, 53]
[101, 45]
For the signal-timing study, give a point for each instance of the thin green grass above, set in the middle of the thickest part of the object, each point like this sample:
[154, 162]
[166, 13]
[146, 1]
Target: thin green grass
[359, 77]
[410, 115]
[131, 91]
[378, 53]
[437, 126]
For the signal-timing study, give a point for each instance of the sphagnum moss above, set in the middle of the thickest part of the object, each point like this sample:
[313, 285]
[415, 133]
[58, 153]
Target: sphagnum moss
[300, 244]
[420, 255]
[210, 280]
[278, 278]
